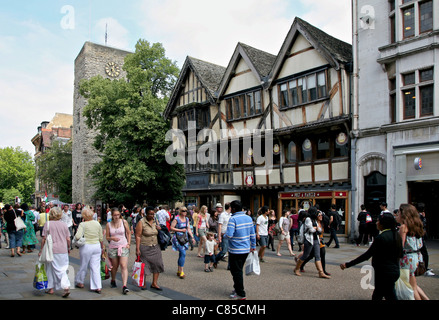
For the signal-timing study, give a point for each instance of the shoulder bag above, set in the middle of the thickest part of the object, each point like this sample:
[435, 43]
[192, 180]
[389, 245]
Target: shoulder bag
[19, 224]
[47, 252]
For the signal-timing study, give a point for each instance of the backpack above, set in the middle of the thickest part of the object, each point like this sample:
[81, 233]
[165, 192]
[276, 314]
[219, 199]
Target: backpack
[337, 219]
[325, 220]
[368, 218]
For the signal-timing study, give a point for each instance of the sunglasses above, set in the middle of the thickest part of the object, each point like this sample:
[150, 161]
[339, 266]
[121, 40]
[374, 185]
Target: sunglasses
[183, 210]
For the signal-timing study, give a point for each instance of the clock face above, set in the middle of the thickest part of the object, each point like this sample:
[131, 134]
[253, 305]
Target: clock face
[112, 69]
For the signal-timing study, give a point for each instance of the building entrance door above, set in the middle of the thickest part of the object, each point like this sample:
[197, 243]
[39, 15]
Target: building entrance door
[374, 192]
[428, 193]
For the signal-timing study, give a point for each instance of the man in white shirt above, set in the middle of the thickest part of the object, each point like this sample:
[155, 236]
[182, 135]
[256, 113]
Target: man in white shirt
[262, 232]
[67, 218]
[223, 220]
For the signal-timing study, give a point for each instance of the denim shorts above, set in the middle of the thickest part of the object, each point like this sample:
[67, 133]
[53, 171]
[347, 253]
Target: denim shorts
[263, 241]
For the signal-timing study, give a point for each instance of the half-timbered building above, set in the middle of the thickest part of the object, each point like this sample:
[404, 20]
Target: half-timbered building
[288, 115]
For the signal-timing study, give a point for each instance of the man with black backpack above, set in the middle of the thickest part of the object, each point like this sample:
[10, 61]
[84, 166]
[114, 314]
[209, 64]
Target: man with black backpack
[334, 224]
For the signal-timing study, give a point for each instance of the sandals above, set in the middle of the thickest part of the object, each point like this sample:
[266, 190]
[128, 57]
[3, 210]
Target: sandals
[66, 293]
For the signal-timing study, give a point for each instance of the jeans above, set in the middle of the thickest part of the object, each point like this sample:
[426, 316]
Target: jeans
[333, 236]
[237, 262]
[15, 239]
[181, 257]
[224, 248]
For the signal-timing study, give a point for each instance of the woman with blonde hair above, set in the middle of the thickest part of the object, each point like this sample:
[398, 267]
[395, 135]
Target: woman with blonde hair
[201, 227]
[119, 240]
[90, 253]
[411, 231]
[56, 270]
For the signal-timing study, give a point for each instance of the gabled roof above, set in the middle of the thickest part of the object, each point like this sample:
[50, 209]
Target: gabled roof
[208, 74]
[335, 51]
[260, 63]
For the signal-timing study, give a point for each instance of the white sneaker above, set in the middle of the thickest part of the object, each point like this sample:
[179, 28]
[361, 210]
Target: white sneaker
[234, 296]
[429, 272]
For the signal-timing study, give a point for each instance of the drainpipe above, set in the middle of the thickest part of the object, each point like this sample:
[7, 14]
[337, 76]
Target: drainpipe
[355, 127]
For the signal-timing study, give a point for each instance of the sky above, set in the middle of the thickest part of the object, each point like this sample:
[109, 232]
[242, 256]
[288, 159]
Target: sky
[39, 41]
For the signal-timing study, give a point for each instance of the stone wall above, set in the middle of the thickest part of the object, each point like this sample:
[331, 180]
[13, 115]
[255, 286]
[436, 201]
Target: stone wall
[90, 62]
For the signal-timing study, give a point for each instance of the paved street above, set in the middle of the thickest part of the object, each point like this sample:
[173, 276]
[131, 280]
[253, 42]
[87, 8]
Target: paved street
[276, 281]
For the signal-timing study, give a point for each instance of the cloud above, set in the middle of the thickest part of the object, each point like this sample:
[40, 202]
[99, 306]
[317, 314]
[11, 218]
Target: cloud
[210, 30]
[117, 34]
[36, 85]
[333, 17]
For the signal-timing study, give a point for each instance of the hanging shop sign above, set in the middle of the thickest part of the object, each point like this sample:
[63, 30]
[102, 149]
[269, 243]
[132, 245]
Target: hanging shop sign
[249, 181]
[342, 138]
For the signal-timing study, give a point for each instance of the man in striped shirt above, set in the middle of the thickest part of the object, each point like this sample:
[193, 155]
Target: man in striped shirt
[242, 241]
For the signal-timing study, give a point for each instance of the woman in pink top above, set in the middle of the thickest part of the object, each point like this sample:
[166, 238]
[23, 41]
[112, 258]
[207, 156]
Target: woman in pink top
[57, 278]
[119, 238]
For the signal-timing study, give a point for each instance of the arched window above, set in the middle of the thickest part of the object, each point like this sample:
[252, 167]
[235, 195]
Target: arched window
[292, 152]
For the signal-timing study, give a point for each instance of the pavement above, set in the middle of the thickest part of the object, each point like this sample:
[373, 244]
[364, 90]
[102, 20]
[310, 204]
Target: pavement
[276, 282]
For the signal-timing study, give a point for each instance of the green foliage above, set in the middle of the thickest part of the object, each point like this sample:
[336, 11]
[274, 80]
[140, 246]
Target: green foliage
[55, 169]
[17, 174]
[126, 114]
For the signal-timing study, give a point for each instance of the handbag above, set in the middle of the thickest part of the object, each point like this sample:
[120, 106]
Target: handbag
[421, 269]
[47, 252]
[252, 266]
[40, 278]
[19, 224]
[138, 272]
[403, 289]
[182, 238]
[79, 243]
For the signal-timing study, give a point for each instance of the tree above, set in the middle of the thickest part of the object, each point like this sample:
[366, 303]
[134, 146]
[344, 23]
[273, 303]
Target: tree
[127, 116]
[17, 174]
[55, 169]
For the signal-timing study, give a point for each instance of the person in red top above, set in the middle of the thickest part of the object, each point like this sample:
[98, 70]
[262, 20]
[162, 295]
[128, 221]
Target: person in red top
[294, 231]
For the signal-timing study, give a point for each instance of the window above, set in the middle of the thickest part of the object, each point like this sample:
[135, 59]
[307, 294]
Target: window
[408, 22]
[302, 90]
[426, 100]
[426, 92]
[244, 105]
[292, 152]
[418, 94]
[425, 16]
[323, 148]
[409, 100]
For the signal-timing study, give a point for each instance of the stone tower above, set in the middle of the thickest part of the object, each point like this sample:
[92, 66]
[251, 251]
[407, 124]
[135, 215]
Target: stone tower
[93, 60]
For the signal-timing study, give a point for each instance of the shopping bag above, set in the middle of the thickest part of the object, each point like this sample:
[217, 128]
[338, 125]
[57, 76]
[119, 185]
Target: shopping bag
[105, 272]
[40, 279]
[403, 289]
[138, 272]
[47, 252]
[252, 264]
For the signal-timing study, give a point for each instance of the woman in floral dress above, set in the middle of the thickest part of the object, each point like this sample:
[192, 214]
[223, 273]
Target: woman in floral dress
[411, 231]
[29, 236]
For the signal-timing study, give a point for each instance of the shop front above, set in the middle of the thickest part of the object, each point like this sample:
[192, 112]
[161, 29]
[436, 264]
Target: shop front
[289, 200]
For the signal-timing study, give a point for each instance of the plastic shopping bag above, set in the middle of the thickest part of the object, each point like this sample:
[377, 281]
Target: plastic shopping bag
[252, 264]
[40, 279]
[404, 290]
[138, 273]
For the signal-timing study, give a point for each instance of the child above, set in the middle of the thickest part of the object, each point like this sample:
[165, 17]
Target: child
[209, 255]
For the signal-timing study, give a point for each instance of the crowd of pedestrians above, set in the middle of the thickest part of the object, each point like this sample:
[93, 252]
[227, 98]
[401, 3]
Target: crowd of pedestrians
[396, 241]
